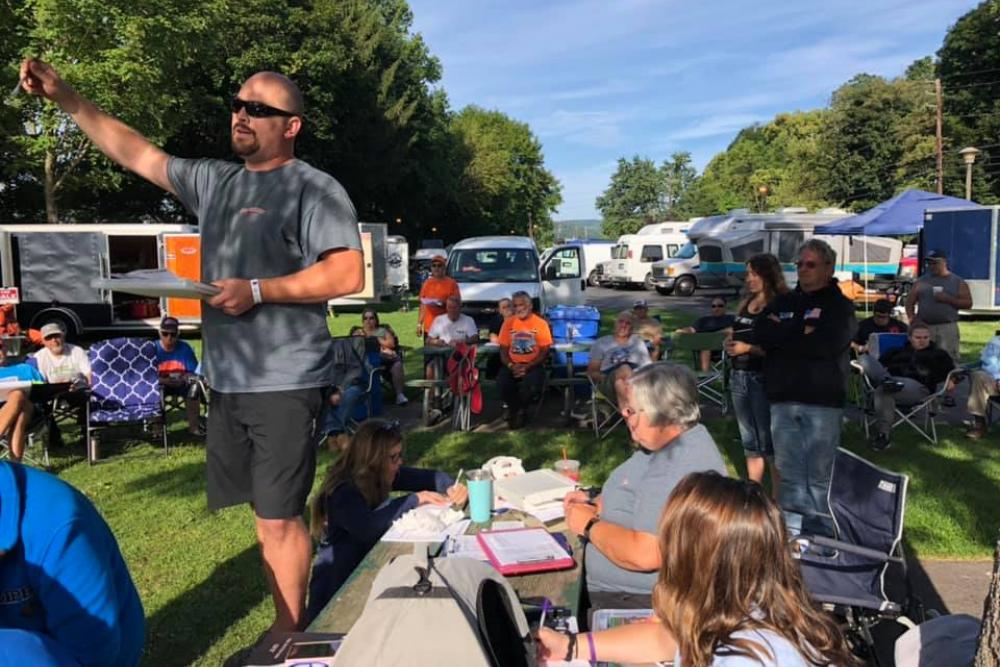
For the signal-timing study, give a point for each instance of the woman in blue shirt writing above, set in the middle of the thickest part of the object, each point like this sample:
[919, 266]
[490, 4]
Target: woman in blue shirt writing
[353, 508]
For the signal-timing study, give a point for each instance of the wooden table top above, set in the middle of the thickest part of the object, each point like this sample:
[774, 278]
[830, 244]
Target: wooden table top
[562, 587]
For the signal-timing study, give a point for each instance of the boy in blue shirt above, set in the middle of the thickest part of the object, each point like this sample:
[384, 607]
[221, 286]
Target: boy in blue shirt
[66, 597]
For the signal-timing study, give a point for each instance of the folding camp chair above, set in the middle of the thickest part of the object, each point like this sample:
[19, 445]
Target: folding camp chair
[38, 432]
[920, 415]
[847, 573]
[351, 366]
[125, 389]
[463, 381]
[603, 424]
[713, 385]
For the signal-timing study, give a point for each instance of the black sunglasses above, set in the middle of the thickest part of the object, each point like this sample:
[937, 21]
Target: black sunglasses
[718, 305]
[257, 109]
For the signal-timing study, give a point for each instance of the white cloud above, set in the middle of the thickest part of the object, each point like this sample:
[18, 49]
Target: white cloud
[600, 129]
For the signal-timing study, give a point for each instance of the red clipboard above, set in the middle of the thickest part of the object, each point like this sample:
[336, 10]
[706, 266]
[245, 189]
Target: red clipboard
[547, 564]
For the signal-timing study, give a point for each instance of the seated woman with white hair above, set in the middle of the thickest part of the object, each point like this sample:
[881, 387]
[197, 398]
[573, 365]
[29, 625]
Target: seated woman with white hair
[619, 527]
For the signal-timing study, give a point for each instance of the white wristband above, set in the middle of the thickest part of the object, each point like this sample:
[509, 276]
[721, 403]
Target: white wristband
[255, 290]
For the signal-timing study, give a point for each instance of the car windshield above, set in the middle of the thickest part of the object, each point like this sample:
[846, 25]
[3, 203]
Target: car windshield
[493, 265]
[687, 251]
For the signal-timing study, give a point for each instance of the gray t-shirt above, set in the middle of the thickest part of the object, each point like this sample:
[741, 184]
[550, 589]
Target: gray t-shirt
[930, 311]
[611, 353]
[635, 495]
[263, 225]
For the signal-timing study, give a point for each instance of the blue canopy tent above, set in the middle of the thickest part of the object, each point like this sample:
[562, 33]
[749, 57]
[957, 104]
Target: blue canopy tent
[903, 215]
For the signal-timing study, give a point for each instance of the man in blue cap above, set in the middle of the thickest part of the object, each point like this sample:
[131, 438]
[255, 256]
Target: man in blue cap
[66, 597]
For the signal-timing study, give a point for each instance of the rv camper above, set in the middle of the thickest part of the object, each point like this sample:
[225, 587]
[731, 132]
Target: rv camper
[634, 254]
[52, 267]
[970, 238]
[724, 249]
[381, 281]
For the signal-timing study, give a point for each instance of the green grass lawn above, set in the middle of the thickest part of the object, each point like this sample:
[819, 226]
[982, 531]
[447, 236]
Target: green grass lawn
[199, 573]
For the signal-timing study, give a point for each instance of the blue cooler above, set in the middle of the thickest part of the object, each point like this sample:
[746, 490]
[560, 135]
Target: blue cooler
[583, 323]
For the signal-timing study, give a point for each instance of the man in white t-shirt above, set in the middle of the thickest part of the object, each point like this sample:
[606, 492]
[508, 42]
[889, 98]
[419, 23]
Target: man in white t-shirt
[453, 327]
[60, 361]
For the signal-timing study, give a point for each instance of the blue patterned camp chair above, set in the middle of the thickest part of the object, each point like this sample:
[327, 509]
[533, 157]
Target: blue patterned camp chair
[125, 389]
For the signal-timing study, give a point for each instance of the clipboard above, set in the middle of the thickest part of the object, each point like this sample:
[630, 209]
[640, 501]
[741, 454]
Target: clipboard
[524, 551]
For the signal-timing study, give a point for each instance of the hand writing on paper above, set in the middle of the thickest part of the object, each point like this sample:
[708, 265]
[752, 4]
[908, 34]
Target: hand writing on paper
[431, 498]
[458, 494]
[577, 516]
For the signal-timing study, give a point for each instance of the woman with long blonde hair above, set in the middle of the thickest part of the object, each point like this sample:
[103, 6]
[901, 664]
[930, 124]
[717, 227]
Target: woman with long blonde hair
[353, 509]
[728, 593]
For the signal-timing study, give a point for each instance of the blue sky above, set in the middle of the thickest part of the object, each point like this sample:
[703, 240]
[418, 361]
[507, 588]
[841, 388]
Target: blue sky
[600, 79]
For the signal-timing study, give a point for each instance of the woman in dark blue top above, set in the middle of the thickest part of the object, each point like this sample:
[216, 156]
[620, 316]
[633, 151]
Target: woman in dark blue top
[764, 281]
[353, 509]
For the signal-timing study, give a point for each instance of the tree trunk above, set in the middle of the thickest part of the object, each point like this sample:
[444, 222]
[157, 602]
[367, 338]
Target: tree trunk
[51, 208]
[988, 652]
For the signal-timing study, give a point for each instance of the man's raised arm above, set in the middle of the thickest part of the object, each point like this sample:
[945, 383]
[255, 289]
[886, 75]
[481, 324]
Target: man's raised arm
[111, 136]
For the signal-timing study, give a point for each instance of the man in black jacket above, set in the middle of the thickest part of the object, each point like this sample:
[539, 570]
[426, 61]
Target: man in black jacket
[806, 335]
[907, 376]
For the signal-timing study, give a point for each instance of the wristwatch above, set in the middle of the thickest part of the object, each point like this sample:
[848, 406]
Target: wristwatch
[585, 537]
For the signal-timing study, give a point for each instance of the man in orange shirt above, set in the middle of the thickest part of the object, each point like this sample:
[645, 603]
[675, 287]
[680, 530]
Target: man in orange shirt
[434, 294]
[525, 340]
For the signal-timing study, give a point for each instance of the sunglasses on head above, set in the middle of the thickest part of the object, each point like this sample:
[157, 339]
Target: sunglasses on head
[257, 109]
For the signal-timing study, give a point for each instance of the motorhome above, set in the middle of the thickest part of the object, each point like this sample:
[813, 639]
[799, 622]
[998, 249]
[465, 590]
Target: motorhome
[52, 266]
[724, 248]
[488, 268]
[970, 238]
[634, 254]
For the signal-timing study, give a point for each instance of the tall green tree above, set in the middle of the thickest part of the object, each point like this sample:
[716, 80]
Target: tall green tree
[634, 198]
[505, 187]
[126, 56]
[678, 176]
[969, 68]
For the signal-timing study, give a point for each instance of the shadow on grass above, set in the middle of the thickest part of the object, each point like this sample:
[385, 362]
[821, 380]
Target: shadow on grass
[178, 481]
[185, 628]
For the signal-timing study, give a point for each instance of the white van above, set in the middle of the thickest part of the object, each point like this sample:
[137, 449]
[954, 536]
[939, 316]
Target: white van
[488, 268]
[634, 254]
[595, 252]
[679, 273]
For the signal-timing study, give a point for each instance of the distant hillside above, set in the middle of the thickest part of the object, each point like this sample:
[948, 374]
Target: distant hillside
[578, 229]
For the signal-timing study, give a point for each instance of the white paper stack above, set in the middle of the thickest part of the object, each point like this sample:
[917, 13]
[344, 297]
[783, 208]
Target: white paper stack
[535, 491]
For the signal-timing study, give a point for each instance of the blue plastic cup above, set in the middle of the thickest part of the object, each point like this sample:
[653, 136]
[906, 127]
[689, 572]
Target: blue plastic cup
[480, 485]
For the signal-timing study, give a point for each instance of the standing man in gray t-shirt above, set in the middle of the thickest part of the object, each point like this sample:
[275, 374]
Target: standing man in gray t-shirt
[935, 300]
[279, 238]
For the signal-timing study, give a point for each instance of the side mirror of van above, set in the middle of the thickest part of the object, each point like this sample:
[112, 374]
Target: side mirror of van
[551, 271]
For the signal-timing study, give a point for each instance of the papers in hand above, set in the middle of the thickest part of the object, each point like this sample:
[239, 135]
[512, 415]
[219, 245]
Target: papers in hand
[427, 523]
[156, 283]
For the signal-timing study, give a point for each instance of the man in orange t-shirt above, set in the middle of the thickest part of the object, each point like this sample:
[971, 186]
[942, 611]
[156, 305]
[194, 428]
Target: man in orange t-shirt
[434, 294]
[525, 340]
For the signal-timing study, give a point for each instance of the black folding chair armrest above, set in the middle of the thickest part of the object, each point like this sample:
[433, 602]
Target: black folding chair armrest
[821, 541]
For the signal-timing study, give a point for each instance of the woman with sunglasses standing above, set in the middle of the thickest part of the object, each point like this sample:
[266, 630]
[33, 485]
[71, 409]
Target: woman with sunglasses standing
[764, 281]
[728, 592]
[390, 360]
[352, 509]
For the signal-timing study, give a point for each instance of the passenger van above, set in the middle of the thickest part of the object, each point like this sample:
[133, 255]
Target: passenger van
[679, 273]
[489, 268]
[634, 254]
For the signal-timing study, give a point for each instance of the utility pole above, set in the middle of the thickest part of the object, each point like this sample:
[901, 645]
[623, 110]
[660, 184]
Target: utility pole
[940, 138]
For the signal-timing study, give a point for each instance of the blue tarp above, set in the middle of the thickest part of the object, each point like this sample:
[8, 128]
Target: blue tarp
[900, 216]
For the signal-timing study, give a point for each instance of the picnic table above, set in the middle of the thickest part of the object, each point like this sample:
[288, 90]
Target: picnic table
[561, 587]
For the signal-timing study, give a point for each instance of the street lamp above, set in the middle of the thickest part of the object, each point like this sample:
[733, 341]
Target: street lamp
[763, 191]
[969, 156]
[434, 230]
[399, 221]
